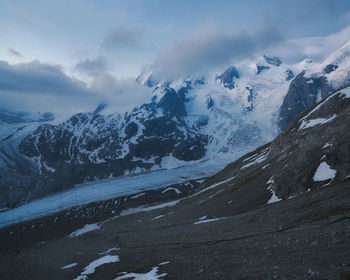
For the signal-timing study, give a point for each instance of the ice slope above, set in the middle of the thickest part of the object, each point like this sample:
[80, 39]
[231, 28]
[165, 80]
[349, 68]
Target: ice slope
[245, 116]
[107, 189]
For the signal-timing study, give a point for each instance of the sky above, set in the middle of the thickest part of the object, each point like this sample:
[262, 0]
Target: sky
[85, 52]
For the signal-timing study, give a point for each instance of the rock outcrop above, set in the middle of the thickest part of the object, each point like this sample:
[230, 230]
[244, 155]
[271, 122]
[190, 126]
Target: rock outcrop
[303, 93]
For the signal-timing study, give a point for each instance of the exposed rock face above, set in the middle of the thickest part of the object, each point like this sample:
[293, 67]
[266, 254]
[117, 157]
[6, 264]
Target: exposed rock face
[100, 108]
[273, 60]
[329, 121]
[227, 78]
[260, 68]
[18, 178]
[303, 92]
[289, 75]
[173, 103]
[330, 68]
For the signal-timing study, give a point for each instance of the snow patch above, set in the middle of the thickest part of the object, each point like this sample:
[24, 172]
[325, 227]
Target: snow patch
[171, 189]
[151, 275]
[313, 122]
[327, 145]
[316, 108]
[137, 196]
[257, 159]
[209, 220]
[346, 92]
[274, 198]
[68, 266]
[90, 269]
[266, 165]
[324, 172]
[48, 168]
[158, 217]
[85, 229]
[149, 208]
[212, 187]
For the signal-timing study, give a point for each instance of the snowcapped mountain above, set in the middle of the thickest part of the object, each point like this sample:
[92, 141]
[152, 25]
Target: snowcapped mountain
[220, 115]
[287, 198]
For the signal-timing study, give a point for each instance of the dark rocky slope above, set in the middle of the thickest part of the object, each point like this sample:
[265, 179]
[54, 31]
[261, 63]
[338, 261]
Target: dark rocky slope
[303, 93]
[227, 78]
[268, 215]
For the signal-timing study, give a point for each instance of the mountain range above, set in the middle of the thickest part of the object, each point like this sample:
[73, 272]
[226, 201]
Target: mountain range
[278, 212]
[215, 117]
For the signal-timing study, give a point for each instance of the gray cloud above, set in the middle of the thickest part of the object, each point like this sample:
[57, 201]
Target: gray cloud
[311, 8]
[36, 86]
[92, 67]
[207, 49]
[13, 52]
[120, 94]
[40, 87]
[318, 48]
[124, 37]
[40, 78]
[305, 18]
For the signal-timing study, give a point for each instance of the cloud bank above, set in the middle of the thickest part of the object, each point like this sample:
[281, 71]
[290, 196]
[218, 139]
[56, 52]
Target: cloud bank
[36, 77]
[317, 48]
[209, 48]
[92, 67]
[37, 86]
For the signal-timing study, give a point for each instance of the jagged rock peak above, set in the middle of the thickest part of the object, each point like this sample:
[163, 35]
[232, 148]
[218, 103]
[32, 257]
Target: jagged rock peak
[227, 78]
[272, 60]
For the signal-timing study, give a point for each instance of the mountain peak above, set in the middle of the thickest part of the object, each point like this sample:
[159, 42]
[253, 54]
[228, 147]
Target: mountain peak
[272, 60]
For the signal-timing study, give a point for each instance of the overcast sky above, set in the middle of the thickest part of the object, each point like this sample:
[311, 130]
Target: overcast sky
[106, 44]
